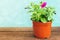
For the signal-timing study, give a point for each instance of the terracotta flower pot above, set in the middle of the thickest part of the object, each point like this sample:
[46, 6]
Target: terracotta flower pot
[42, 30]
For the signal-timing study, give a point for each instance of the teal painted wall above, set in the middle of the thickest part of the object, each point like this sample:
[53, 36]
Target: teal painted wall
[13, 14]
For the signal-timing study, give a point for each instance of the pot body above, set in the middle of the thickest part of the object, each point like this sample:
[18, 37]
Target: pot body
[42, 30]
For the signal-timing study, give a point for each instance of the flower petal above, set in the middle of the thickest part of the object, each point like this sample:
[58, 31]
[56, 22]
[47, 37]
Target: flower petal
[43, 4]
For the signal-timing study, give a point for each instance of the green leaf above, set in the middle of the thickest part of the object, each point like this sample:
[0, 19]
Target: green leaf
[27, 8]
[49, 18]
[43, 20]
[30, 11]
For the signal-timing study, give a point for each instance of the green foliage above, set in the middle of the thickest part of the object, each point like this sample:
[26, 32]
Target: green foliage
[41, 14]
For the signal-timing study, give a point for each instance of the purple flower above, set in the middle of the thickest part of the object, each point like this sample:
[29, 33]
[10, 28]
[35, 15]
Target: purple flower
[43, 4]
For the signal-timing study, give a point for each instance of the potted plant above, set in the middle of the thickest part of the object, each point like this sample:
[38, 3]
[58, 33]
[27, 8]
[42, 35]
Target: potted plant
[42, 17]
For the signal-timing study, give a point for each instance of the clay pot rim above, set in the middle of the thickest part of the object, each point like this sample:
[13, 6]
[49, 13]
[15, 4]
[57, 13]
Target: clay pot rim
[42, 22]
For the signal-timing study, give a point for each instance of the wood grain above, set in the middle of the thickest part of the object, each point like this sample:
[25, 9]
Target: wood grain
[24, 29]
[25, 34]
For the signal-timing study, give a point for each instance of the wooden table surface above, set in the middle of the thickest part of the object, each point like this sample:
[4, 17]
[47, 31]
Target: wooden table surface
[25, 34]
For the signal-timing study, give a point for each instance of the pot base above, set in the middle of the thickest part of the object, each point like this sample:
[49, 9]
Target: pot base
[41, 37]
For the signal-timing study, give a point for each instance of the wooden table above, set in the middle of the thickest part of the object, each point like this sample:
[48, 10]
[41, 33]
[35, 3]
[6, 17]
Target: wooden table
[25, 34]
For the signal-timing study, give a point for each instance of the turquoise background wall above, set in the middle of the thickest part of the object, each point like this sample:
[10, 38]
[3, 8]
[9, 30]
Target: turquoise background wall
[13, 14]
